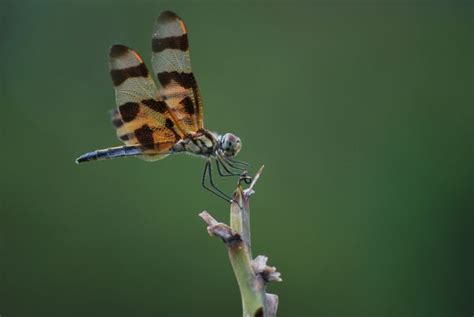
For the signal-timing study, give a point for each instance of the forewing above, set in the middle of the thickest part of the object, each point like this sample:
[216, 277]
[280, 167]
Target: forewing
[141, 116]
[172, 65]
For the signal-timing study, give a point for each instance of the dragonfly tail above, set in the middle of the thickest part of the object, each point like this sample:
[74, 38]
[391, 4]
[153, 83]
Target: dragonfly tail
[110, 153]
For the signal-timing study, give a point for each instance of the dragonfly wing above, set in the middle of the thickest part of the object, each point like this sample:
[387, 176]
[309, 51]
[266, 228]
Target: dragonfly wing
[141, 117]
[172, 65]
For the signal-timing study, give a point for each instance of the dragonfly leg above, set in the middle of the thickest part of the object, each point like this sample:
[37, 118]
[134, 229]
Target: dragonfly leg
[219, 163]
[212, 188]
[232, 165]
[242, 173]
[245, 164]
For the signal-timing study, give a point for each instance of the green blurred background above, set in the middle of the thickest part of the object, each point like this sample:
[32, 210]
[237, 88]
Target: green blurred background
[361, 111]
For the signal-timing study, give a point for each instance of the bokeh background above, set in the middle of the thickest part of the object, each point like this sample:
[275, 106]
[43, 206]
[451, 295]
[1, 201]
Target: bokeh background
[362, 112]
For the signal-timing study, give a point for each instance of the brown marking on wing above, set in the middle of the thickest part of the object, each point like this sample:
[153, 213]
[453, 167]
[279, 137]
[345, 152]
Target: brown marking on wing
[179, 42]
[186, 80]
[118, 50]
[126, 137]
[188, 105]
[168, 16]
[121, 75]
[116, 118]
[117, 123]
[170, 125]
[129, 111]
[156, 105]
[144, 135]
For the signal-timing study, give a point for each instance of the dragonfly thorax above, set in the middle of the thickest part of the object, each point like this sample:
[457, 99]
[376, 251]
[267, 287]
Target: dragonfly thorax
[206, 143]
[202, 143]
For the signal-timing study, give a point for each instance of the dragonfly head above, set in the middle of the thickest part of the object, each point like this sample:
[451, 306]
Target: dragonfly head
[230, 144]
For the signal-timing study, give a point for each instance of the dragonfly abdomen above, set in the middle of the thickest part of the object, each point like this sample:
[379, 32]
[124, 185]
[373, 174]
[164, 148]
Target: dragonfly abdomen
[110, 153]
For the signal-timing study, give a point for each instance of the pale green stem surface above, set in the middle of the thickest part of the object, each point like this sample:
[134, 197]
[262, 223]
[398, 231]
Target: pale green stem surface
[252, 289]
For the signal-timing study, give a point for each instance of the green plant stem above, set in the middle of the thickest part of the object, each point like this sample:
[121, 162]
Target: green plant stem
[252, 274]
[252, 287]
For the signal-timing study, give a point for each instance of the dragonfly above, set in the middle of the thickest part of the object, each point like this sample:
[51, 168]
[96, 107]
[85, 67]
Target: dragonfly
[156, 121]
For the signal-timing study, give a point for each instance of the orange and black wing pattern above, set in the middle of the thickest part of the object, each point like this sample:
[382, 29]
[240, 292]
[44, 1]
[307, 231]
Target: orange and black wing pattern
[142, 117]
[172, 66]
